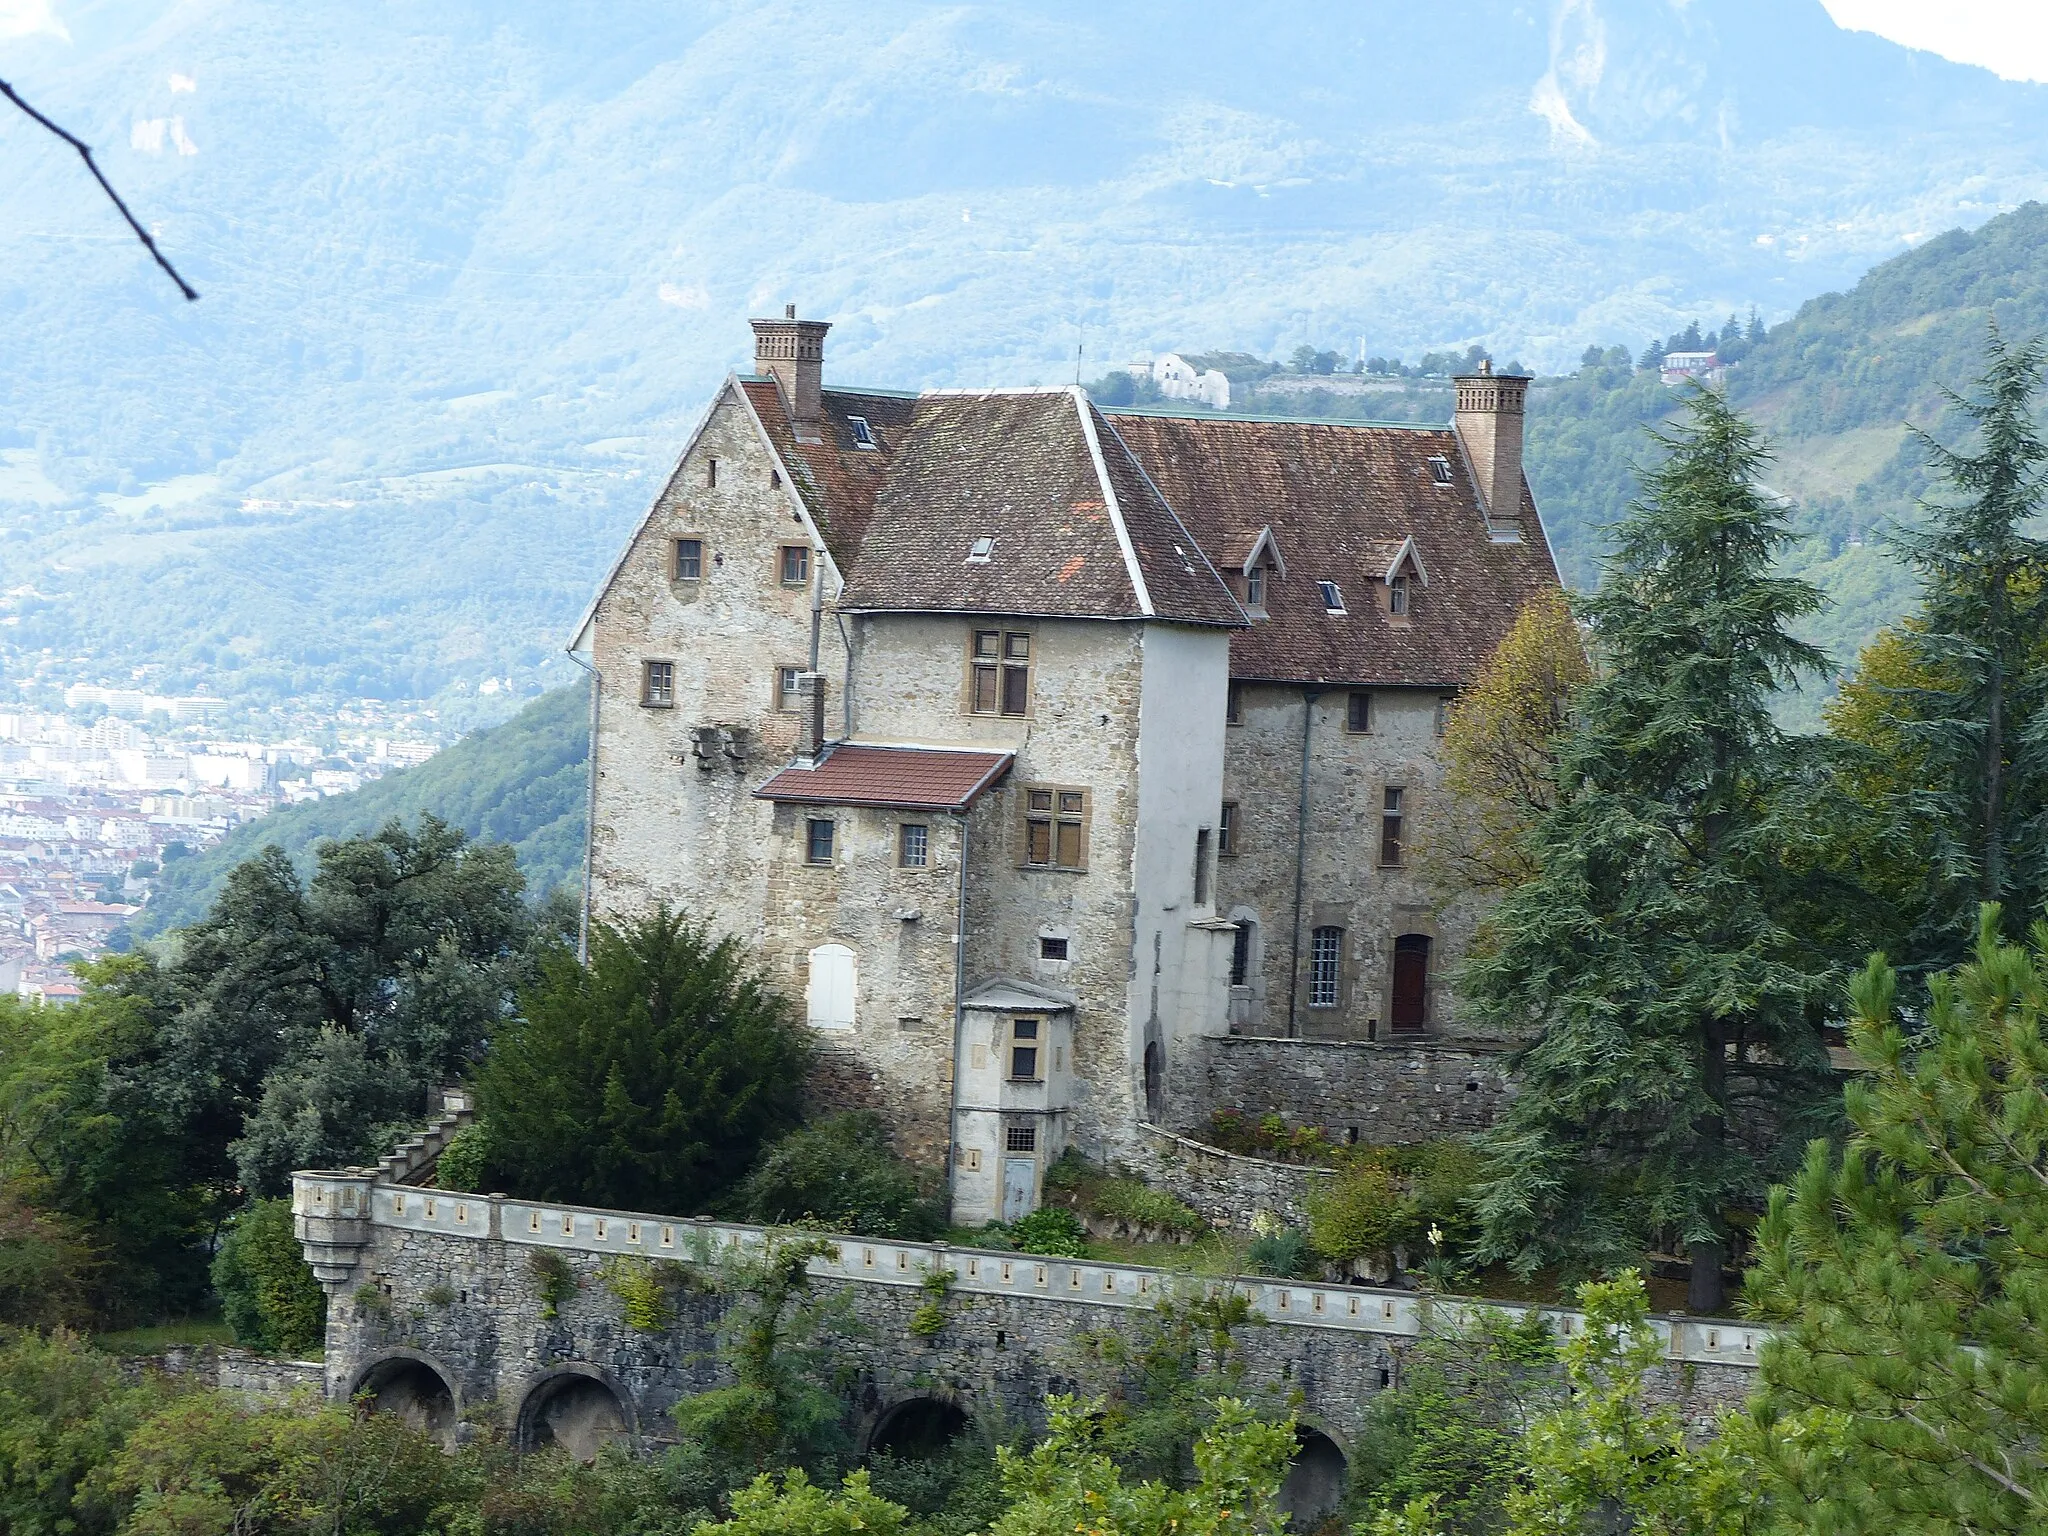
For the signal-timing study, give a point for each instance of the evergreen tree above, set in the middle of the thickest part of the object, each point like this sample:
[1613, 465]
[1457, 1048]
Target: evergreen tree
[1756, 327]
[1979, 714]
[1653, 354]
[1907, 1389]
[1659, 952]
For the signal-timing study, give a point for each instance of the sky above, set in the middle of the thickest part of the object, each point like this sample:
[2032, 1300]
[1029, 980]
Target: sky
[2008, 37]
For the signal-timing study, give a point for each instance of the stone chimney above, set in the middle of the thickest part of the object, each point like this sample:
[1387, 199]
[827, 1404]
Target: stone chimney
[1489, 423]
[810, 706]
[792, 351]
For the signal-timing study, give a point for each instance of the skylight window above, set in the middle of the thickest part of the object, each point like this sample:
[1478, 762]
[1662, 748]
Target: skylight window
[1333, 599]
[983, 548]
[1440, 469]
[863, 434]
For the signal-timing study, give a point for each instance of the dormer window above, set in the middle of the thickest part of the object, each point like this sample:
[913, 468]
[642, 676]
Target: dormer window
[863, 434]
[981, 551]
[1255, 587]
[1333, 598]
[1397, 596]
[1440, 469]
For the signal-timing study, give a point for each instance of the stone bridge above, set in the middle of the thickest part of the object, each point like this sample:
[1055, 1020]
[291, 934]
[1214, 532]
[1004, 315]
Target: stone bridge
[436, 1311]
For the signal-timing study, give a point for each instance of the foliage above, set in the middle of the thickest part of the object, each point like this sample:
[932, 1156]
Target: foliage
[1978, 714]
[1270, 1136]
[1052, 1230]
[643, 1288]
[773, 1336]
[1499, 754]
[64, 1411]
[1667, 950]
[1448, 1435]
[1909, 1270]
[520, 783]
[1286, 1254]
[800, 1508]
[1603, 1460]
[842, 1175]
[647, 1080]
[506, 1492]
[1120, 1197]
[1358, 1212]
[463, 1160]
[554, 1277]
[931, 1317]
[1383, 1198]
[49, 1268]
[955, 1491]
[267, 1293]
[1066, 1483]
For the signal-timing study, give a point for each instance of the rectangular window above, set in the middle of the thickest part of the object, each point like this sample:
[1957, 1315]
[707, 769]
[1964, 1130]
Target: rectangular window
[711, 472]
[1055, 823]
[1333, 596]
[796, 564]
[1390, 826]
[1226, 831]
[1050, 948]
[863, 434]
[689, 559]
[1325, 967]
[1233, 705]
[1443, 714]
[1255, 587]
[1001, 662]
[1202, 866]
[913, 844]
[1440, 470]
[787, 700]
[1241, 955]
[658, 684]
[1024, 1050]
[1020, 1136]
[818, 841]
[1358, 714]
[1397, 596]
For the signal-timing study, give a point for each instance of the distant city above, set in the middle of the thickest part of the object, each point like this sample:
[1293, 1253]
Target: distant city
[97, 798]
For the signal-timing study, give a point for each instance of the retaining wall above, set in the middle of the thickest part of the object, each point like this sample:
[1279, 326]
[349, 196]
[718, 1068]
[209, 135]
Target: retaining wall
[1388, 1092]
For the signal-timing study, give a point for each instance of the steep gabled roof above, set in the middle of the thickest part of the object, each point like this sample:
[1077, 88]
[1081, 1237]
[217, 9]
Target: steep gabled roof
[1076, 528]
[1342, 500]
[837, 477]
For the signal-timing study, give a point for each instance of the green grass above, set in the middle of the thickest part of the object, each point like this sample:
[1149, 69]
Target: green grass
[154, 1341]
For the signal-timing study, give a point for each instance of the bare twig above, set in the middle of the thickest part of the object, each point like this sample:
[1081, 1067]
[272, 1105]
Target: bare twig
[85, 154]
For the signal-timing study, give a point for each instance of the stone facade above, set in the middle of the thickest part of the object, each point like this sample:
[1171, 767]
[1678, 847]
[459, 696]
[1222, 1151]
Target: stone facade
[1233, 1192]
[1387, 1091]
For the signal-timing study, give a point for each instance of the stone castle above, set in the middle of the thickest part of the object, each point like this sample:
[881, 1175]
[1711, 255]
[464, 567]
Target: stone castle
[1064, 760]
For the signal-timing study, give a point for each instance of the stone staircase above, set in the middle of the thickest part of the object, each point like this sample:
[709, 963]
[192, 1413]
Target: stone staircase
[413, 1160]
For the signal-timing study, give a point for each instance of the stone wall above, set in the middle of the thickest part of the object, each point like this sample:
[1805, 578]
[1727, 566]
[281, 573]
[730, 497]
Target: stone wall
[1384, 1091]
[1230, 1191]
[263, 1378]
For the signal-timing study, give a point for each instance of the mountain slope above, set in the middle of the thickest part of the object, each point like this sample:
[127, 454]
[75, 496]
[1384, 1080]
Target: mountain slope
[521, 783]
[468, 269]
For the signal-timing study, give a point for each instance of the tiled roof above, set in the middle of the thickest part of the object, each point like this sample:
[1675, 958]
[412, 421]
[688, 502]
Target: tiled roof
[912, 778]
[1019, 467]
[1340, 500]
[836, 477]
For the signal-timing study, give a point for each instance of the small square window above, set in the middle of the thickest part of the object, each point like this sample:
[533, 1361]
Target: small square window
[1020, 1136]
[658, 684]
[818, 841]
[913, 844]
[1440, 469]
[863, 434]
[796, 564]
[1050, 948]
[1358, 714]
[689, 559]
[787, 700]
[981, 551]
[1333, 598]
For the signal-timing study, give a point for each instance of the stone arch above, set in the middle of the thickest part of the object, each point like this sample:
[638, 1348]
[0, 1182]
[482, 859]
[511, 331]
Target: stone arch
[578, 1407]
[1313, 1489]
[414, 1388]
[1155, 1080]
[915, 1427]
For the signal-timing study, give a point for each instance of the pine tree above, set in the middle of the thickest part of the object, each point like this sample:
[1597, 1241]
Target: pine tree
[1659, 953]
[1756, 327]
[1980, 718]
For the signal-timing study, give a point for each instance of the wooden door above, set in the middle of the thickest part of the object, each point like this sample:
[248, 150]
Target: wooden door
[1411, 981]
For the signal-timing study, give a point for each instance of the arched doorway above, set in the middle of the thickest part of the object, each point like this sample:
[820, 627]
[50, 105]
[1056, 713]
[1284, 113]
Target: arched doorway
[917, 1429]
[1410, 1002]
[1314, 1487]
[413, 1392]
[578, 1412]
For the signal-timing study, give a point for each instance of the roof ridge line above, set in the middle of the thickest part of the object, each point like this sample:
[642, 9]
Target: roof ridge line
[1178, 521]
[1084, 408]
[1263, 416]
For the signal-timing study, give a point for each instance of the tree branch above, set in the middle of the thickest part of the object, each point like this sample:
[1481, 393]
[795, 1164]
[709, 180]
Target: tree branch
[85, 154]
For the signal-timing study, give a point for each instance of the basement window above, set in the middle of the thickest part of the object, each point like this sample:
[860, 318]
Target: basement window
[1050, 948]
[863, 434]
[982, 549]
[1333, 597]
[1440, 469]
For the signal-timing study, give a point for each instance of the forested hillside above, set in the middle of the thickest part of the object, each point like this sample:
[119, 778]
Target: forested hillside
[520, 783]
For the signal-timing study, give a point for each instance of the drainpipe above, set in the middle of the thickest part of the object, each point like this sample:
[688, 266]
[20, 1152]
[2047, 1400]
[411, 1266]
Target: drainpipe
[1308, 715]
[846, 693]
[589, 812]
[817, 601]
[959, 1017]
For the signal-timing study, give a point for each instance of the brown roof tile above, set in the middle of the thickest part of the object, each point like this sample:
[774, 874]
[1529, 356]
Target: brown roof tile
[836, 477]
[912, 778]
[1340, 500]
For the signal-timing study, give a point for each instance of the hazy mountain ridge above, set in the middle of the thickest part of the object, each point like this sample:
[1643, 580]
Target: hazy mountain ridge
[468, 273]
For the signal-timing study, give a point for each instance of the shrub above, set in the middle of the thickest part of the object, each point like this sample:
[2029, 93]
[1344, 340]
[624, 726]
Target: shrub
[1120, 1197]
[462, 1162]
[841, 1174]
[556, 1280]
[1051, 1230]
[643, 1288]
[49, 1269]
[1286, 1255]
[1359, 1212]
[1270, 1136]
[267, 1294]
